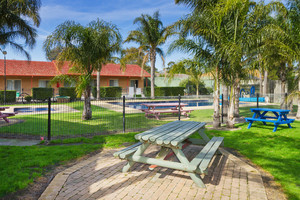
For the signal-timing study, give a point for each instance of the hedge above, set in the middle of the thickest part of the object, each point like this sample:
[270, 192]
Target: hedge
[165, 91]
[107, 92]
[42, 93]
[68, 91]
[10, 96]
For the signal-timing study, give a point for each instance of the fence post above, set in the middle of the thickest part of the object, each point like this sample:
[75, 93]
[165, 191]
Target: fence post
[222, 108]
[49, 119]
[123, 114]
[257, 97]
[179, 99]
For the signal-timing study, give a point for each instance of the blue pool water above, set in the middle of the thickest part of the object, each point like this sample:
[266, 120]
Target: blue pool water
[27, 109]
[137, 105]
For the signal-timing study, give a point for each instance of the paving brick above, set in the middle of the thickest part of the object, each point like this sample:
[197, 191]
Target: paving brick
[100, 177]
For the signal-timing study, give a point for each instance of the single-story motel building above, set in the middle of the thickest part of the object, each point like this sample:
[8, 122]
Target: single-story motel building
[22, 75]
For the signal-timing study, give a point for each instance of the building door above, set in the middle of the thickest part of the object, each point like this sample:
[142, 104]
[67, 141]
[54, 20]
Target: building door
[134, 83]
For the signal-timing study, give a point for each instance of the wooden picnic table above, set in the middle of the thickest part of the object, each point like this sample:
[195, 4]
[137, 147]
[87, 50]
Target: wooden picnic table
[172, 138]
[5, 115]
[157, 108]
[279, 116]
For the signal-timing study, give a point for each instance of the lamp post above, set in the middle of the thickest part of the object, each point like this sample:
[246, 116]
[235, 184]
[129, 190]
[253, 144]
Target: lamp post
[4, 53]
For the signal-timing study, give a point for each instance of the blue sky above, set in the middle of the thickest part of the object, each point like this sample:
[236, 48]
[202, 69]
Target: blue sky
[119, 12]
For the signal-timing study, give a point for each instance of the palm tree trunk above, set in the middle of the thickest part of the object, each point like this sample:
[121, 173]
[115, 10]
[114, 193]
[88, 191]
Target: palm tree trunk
[230, 115]
[152, 61]
[265, 88]
[260, 83]
[225, 99]
[237, 100]
[283, 100]
[87, 110]
[216, 116]
[98, 85]
[197, 90]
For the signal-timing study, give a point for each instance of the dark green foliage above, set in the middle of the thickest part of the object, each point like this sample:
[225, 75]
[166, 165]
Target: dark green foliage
[68, 91]
[107, 92]
[28, 98]
[191, 87]
[165, 91]
[10, 96]
[42, 93]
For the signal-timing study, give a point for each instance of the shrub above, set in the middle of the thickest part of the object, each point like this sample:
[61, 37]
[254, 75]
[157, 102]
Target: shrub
[28, 98]
[10, 96]
[42, 93]
[165, 91]
[107, 92]
[68, 91]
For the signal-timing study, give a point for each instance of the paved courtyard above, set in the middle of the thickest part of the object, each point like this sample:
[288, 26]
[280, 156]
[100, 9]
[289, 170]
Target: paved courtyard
[100, 177]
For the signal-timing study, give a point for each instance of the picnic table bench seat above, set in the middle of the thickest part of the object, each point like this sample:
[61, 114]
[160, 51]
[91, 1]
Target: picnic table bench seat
[268, 120]
[202, 160]
[124, 153]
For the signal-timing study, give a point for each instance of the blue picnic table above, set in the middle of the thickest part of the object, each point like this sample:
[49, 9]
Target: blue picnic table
[279, 117]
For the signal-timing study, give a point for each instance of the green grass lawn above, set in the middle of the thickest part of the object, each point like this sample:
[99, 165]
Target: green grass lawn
[277, 153]
[19, 166]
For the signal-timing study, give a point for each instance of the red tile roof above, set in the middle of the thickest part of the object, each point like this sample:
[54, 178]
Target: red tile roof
[43, 68]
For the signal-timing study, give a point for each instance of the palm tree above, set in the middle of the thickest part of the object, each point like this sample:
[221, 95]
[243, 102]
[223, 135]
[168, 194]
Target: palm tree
[149, 35]
[86, 49]
[16, 20]
[192, 67]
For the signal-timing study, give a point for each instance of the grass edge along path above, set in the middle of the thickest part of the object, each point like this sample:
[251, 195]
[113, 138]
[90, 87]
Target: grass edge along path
[21, 165]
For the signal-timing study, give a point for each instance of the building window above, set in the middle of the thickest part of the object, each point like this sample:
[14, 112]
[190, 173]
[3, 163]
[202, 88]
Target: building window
[44, 83]
[113, 83]
[14, 85]
[134, 83]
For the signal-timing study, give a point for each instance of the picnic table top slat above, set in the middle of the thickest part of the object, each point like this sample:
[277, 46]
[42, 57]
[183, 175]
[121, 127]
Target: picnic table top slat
[177, 132]
[159, 131]
[166, 139]
[139, 136]
[184, 136]
[270, 109]
[169, 131]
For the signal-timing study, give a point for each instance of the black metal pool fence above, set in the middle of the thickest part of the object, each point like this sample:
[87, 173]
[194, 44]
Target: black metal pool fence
[52, 119]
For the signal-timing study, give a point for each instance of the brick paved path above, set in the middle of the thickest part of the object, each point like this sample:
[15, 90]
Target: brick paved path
[100, 177]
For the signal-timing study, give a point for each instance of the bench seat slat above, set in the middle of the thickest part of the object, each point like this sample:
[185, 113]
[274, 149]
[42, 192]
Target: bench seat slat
[196, 161]
[117, 154]
[272, 121]
[208, 157]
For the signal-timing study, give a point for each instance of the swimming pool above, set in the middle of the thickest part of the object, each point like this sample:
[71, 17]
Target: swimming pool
[190, 103]
[29, 109]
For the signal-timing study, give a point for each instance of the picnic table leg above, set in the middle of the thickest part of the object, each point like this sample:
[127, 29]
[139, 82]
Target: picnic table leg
[5, 118]
[250, 124]
[203, 135]
[285, 118]
[195, 177]
[275, 128]
[138, 152]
